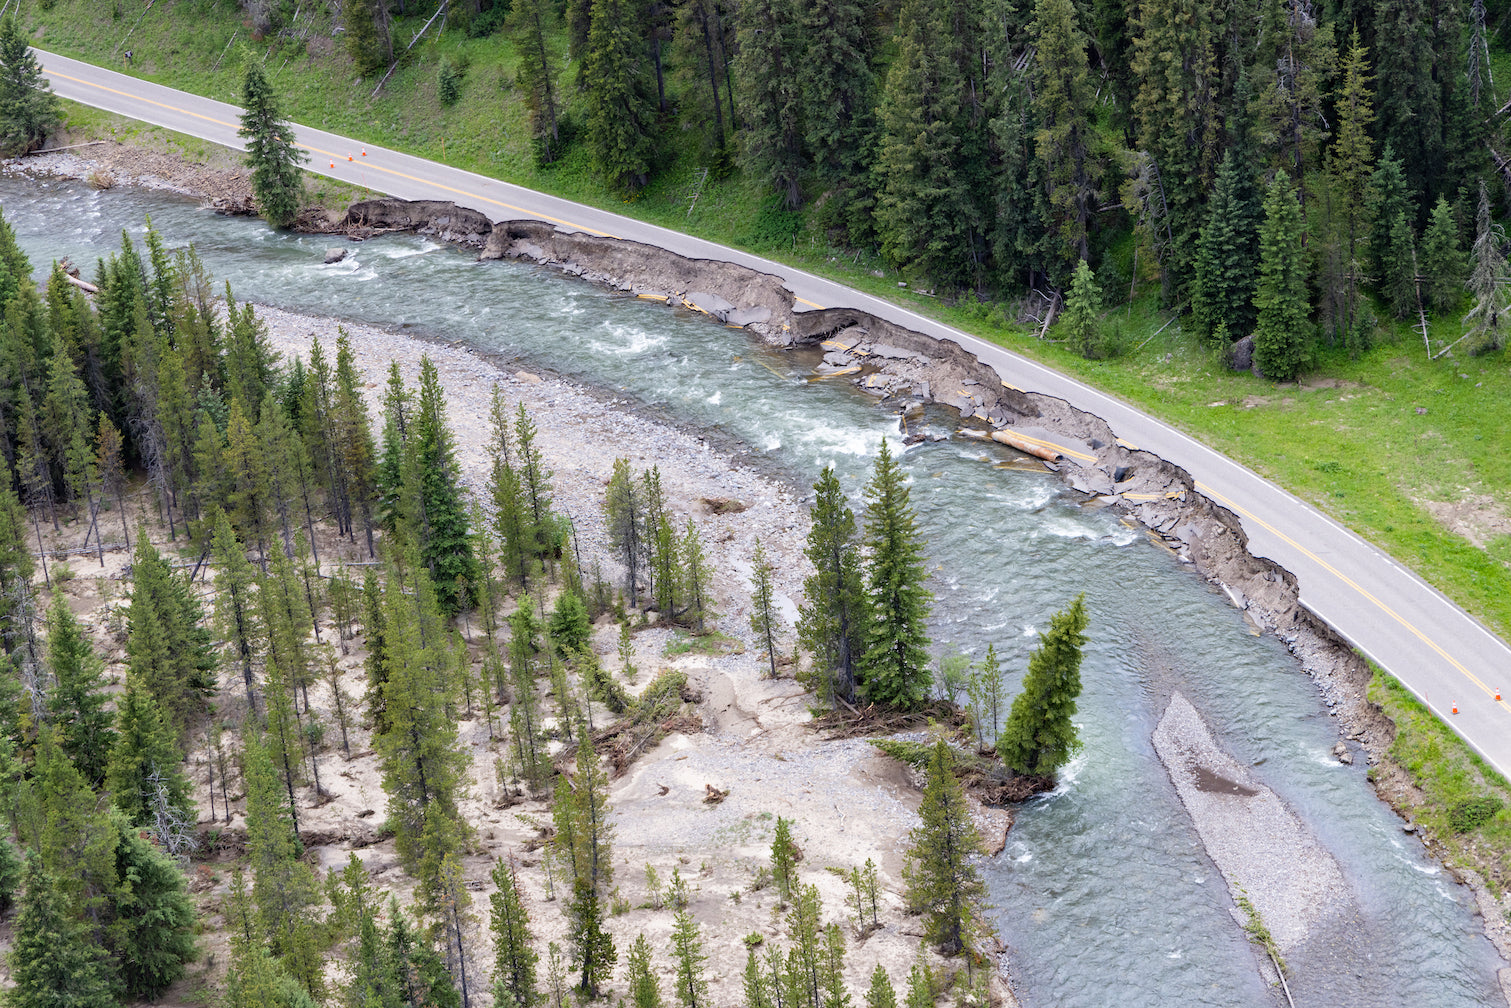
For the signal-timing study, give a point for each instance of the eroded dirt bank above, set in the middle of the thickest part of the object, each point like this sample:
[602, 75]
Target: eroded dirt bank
[906, 366]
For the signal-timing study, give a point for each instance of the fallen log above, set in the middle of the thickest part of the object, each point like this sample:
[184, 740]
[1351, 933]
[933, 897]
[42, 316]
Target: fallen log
[1026, 446]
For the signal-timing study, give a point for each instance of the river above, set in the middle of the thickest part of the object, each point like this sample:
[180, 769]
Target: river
[1104, 894]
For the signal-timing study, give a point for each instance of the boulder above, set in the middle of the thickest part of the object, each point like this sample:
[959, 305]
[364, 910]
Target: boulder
[334, 255]
[1241, 354]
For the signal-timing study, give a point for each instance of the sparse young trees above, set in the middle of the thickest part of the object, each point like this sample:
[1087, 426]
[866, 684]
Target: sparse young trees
[763, 615]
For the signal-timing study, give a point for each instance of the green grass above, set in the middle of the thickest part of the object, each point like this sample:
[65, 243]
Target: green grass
[1448, 775]
[1354, 445]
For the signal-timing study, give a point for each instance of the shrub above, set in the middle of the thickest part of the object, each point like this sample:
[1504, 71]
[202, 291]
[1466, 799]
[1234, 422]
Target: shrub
[1473, 813]
[450, 83]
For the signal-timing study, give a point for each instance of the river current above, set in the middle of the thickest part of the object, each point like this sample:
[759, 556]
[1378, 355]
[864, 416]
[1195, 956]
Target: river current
[1104, 894]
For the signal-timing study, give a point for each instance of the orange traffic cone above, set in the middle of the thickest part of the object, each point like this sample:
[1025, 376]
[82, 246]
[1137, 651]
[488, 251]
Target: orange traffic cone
[364, 153]
[1455, 708]
[348, 157]
[333, 164]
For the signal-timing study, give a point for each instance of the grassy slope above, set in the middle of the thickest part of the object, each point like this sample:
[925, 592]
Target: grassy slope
[1357, 444]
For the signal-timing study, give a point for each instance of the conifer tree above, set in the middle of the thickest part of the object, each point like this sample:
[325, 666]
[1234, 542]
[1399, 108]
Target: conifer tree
[941, 877]
[510, 509]
[1350, 167]
[249, 489]
[1066, 142]
[569, 626]
[1443, 265]
[620, 106]
[1296, 56]
[167, 647]
[284, 889]
[881, 994]
[763, 613]
[757, 986]
[16, 567]
[695, 578]
[53, 961]
[805, 929]
[76, 702]
[985, 693]
[1412, 81]
[535, 481]
[353, 442]
[924, 213]
[367, 36]
[767, 59]
[920, 986]
[1282, 332]
[1489, 283]
[830, 619]
[236, 605]
[1392, 242]
[703, 46]
[645, 989]
[153, 936]
[1175, 118]
[29, 111]
[514, 957]
[445, 545]
[524, 712]
[687, 949]
[839, 105]
[1039, 737]
[894, 671]
[11, 866]
[784, 858]
[623, 508]
[422, 766]
[272, 153]
[531, 25]
[110, 467]
[1081, 321]
[145, 753]
[1227, 252]
[72, 828]
[586, 845]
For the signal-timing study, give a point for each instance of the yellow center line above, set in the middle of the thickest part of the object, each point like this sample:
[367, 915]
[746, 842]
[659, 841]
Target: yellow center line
[805, 301]
[335, 157]
[1387, 610]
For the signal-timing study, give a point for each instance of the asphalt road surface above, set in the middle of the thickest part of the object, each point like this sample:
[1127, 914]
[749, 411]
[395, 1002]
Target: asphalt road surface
[1446, 657]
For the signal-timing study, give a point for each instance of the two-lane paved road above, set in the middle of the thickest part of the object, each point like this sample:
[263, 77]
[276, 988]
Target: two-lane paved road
[1442, 654]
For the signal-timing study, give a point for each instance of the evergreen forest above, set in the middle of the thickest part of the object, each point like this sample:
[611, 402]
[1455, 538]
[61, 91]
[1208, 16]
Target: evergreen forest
[1308, 175]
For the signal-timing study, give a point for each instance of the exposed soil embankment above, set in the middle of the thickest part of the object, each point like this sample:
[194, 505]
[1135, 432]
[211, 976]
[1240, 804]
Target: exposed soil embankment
[910, 367]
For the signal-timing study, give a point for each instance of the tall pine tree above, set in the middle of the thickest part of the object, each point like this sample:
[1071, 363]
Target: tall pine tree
[1039, 737]
[894, 671]
[1282, 332]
